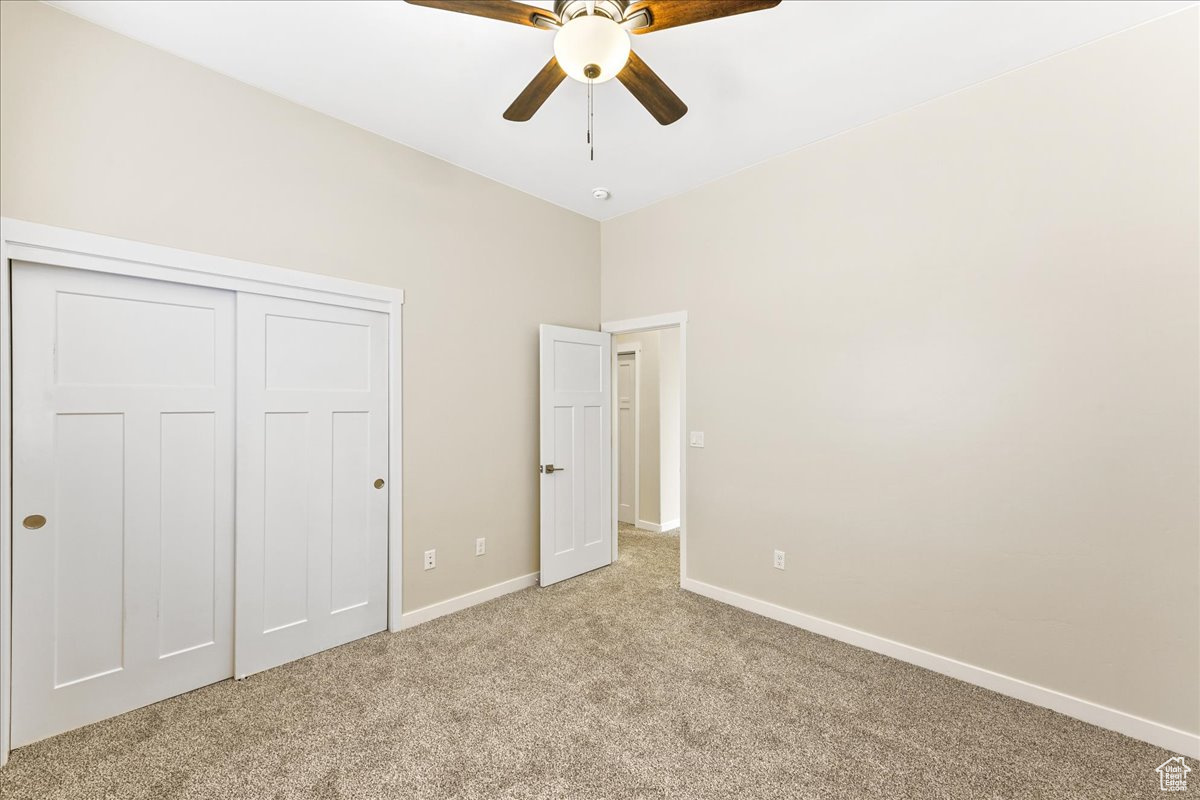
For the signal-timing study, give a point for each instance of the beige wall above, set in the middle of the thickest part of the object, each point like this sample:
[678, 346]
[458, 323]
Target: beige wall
[102, 134]
[948, 363]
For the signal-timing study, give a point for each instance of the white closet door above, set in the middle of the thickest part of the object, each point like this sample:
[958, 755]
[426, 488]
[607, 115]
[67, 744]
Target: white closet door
[312, 464]
[123, 494]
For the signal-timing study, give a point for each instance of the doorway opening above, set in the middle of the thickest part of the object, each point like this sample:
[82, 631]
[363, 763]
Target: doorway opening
[649, 422]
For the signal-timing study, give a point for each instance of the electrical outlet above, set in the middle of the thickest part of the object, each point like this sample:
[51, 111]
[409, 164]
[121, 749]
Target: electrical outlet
[696, 439]
[480, 546]
[430, 559]
[779, 559]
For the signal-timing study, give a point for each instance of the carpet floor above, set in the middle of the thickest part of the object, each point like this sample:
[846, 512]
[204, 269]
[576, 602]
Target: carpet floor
[615, 684]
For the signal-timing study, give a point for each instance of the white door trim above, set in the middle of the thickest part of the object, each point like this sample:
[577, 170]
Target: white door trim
[46, 244]
[658, 322]
[634, 349]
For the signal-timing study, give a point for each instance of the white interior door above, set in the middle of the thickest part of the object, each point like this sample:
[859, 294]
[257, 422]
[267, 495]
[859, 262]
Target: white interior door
[312, 465]
[627, 474]
[122, 492]
[576, 446]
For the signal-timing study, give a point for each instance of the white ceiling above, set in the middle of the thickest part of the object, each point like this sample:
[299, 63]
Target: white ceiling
[757, 85]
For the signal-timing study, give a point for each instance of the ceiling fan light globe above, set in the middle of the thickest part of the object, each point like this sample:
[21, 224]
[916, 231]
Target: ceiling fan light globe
[588, 42]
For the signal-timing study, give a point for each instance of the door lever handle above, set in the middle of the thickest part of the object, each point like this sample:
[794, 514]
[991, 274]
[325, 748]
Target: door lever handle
[550, 469]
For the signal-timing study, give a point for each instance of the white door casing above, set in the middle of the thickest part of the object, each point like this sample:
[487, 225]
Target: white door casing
[312, 507]
[627, 433]
[124, 401]
[576, 439]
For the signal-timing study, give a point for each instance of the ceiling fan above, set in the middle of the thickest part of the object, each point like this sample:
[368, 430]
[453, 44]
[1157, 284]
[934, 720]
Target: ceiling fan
[592, 43]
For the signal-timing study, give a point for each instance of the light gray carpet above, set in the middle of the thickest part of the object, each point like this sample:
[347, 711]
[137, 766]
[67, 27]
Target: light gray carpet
[612, 685]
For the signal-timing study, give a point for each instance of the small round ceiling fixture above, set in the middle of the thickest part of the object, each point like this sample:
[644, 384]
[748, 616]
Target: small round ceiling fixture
[600, 193]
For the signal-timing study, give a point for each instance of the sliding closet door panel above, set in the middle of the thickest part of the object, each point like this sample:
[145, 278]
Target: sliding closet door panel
[313, 444]
[123, 491]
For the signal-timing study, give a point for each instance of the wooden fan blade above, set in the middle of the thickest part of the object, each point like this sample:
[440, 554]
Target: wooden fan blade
[540, 88]
[673, 13]
[503, 10]
[663, 104]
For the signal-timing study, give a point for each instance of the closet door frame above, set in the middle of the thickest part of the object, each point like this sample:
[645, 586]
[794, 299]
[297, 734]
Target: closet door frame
[45, 244]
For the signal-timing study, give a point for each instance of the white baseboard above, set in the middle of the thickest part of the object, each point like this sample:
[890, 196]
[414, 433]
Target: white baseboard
[411, 618]
[1155, 733]
[669, 525]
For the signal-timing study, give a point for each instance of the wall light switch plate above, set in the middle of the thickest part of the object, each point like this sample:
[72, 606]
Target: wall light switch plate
[480, 546]
[696, 439]
[430, 559]
[779, 559]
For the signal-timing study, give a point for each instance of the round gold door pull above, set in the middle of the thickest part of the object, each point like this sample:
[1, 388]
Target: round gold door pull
[34, 521]
[379, 483]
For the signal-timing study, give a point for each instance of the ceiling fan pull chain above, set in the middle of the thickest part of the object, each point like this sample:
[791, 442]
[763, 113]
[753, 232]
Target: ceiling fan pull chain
[590, 139]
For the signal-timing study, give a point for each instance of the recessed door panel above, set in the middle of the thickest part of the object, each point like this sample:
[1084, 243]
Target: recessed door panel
[592, 460]
[121, 341]
[563, 492]
[188, 602]
[315, 354]
[285, 519]
[89, 547]
[350, 548]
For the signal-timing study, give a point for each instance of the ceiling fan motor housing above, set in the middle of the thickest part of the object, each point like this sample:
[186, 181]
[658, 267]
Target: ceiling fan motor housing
[569, 9]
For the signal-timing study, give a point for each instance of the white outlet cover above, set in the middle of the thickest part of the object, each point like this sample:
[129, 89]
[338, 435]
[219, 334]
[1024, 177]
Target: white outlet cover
[779, 559]
[480, 546]
[696, 439]
[430, 559]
